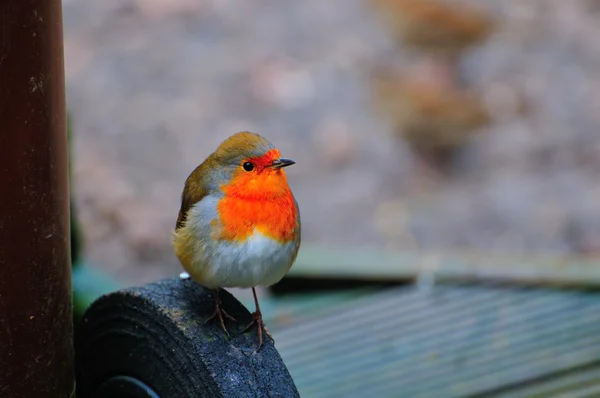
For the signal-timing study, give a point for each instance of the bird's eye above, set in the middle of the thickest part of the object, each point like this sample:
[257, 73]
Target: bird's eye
[248, 166]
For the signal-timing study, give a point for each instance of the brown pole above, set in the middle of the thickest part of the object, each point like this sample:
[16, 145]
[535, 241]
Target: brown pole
[36, 348]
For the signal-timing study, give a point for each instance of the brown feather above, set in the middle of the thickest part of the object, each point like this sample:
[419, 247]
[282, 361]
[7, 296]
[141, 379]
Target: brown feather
[193, 192]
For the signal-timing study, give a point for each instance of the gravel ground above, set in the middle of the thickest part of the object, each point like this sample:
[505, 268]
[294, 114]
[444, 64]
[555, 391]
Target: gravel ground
[155, 85]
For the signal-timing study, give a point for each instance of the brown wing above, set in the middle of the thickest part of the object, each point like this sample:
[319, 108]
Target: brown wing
[193, 192]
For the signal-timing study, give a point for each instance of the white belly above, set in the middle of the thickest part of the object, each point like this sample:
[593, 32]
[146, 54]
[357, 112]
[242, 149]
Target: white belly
[259, 261]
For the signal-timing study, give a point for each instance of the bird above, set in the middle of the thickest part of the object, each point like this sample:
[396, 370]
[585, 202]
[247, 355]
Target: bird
[239, 222]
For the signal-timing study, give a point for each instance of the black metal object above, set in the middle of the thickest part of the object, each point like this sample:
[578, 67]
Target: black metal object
[36, 348]
[155, 337]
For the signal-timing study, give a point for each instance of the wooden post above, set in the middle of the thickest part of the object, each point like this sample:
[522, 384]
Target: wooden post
[36, 348]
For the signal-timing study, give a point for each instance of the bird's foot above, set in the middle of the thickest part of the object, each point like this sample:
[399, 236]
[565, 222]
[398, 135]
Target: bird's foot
[258, 321]
[219, 313]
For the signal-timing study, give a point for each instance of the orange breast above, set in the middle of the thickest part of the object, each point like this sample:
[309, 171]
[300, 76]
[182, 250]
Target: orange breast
[274, 218]
[265, 204]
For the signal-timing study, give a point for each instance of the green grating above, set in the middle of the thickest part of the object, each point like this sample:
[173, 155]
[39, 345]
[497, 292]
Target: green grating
[581, 382]
[451, 341]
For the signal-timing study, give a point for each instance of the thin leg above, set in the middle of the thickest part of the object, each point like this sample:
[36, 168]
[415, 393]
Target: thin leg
[257, 319]
[219, 312]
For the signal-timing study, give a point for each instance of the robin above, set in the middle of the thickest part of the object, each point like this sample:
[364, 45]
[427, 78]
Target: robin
[239, 223]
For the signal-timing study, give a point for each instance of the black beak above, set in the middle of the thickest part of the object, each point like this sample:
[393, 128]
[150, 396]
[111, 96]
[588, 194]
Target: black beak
[281, 162]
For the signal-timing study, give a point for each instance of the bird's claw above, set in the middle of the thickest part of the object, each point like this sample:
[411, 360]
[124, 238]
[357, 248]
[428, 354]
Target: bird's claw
[219, 313]
[258, 321]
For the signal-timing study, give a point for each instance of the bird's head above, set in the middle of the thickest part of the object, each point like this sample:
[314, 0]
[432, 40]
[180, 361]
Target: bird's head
[247, 165]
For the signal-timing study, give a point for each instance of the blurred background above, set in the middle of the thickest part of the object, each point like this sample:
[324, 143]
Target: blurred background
[434, 139]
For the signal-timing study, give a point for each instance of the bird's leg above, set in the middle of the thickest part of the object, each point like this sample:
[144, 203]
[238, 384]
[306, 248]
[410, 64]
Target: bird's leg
[219, 312]
[257, 319]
